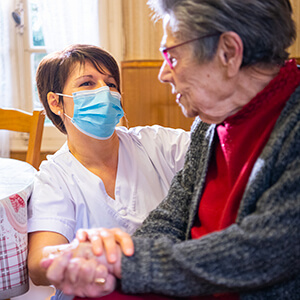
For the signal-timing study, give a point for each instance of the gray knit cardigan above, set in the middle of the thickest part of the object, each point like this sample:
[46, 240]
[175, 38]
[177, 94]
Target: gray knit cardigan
[258, 256]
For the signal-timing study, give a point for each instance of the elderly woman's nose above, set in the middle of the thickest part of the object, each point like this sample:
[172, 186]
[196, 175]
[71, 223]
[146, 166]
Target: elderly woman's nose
[164, 73]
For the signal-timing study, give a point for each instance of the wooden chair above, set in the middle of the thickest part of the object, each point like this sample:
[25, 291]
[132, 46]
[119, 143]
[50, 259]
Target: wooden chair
[21, 121]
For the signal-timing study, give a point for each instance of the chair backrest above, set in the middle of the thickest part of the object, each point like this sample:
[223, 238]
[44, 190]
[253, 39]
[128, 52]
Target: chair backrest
[21, 121]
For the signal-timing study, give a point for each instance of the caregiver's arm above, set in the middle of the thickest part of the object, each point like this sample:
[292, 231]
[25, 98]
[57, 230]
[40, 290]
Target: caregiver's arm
[36, 243]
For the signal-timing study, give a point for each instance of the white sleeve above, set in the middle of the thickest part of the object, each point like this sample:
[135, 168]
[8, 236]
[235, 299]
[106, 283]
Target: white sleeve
[171, 143]
[51, 207]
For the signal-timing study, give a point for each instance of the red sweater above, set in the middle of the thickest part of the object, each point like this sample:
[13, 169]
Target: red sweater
[240, 140]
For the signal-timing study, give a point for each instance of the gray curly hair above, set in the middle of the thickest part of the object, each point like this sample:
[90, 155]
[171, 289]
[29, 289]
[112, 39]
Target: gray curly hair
[265, 26]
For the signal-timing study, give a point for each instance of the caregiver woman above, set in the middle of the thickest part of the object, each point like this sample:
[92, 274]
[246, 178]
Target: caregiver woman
[104, 176]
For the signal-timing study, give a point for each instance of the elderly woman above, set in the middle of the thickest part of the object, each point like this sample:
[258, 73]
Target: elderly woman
[229, 226]
[104, 176]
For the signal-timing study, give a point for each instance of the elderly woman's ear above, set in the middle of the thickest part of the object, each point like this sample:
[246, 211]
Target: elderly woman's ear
[230, 52]
[53, 102]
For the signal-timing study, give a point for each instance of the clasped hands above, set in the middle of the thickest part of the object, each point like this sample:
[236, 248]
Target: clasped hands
[90, 265]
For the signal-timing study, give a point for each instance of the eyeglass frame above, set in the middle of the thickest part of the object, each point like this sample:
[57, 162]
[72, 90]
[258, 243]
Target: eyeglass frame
[164, 50]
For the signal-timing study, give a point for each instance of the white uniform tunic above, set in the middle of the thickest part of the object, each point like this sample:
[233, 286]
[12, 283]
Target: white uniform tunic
[67, 196]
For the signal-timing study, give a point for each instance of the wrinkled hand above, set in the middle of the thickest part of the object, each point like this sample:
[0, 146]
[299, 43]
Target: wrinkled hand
[75, 270]
[106, 241]
[80, 276]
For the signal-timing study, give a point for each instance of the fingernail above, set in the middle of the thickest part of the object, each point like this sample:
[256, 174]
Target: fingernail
[112, 257]
[129, 252]
[98, 251]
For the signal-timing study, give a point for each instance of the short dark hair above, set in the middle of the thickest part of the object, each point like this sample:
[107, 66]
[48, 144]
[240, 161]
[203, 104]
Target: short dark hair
[265, 26]
[55, 68]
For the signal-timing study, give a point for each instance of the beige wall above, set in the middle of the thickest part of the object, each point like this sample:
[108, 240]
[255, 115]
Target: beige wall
[295, 49]
[142, 36]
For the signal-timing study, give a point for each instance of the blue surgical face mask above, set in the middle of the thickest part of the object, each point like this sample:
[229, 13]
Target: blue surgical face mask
[96, 112]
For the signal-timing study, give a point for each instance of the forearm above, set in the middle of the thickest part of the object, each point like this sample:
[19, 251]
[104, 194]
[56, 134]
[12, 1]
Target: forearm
[36, 243]
[205, 266]
[36, 273]
[162, 267]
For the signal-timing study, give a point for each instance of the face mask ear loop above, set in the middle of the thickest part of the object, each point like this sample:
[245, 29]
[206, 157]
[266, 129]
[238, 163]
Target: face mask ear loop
[59, 113]
[68, 117]
[64, 95]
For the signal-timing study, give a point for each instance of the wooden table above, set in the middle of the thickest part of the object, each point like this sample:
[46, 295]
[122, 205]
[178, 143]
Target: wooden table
[16, 183]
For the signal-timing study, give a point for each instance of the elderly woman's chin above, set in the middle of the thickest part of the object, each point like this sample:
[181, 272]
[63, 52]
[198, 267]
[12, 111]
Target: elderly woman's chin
[187, 112]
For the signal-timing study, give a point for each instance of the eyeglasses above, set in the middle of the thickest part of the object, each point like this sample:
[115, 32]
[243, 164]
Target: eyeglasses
[167, 56]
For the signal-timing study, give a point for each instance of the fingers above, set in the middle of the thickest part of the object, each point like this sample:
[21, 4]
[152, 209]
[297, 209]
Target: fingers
[103, 240]
[106, 239]
[90, 235]
[91, 280]
[100, 239]
[111, 237]
[49, 252]
[56, 271]
[82, 235]
[83, 250]
[109, 244]
[46, 262]
[73, 270]
[81, 276]
[79, 273]
[125, 241]
[101, 274]
[104, 283]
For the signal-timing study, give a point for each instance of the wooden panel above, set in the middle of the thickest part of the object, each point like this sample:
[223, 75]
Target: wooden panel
[147, 101]
[295, 48]
[141, 35]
